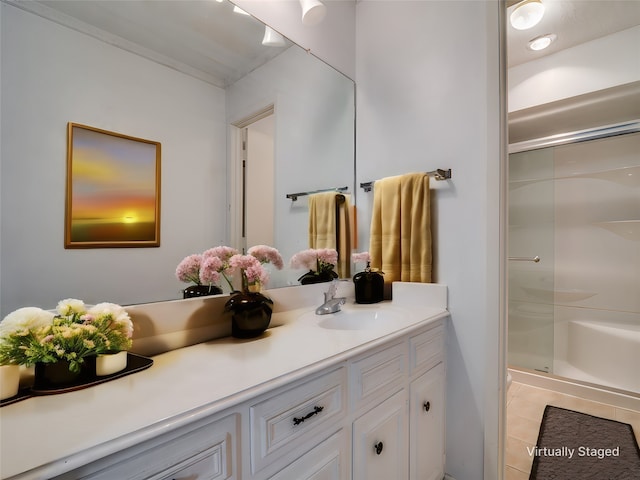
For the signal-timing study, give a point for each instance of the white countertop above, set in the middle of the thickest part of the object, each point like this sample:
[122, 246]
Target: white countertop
[45, 436]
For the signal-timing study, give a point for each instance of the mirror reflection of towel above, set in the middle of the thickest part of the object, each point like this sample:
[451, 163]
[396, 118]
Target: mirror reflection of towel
[400, 242]
[330, 227]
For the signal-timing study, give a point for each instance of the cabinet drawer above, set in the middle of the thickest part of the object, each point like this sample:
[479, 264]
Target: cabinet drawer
[378, 374]
[209, 465]
[207, 453]
[286, 423]
[426, 350]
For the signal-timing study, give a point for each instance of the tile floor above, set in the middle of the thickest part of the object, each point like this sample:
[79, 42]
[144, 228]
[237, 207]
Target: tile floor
[525, 406]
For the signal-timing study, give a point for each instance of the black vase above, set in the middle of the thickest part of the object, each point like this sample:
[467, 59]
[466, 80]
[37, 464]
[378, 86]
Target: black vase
[201, 291]
[369, 287]
[250, 314]
[58, 375]
[317, 277]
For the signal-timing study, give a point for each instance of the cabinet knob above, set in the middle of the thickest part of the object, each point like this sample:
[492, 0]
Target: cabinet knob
[426, 406]
[378, 448]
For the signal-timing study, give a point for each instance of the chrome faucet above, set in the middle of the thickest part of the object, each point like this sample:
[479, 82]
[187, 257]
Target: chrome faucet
[331, 302]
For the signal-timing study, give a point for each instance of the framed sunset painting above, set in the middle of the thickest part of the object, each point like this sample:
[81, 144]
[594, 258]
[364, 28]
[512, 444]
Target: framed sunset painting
[113, 190]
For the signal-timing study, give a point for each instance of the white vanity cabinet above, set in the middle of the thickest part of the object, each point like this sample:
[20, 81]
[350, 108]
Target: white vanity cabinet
[378, 414]
[402, 436]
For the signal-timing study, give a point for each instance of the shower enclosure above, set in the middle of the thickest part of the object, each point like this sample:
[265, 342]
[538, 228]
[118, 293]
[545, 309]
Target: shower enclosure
[574, 248]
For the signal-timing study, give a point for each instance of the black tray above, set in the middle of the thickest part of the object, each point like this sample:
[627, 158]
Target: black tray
[135, 363]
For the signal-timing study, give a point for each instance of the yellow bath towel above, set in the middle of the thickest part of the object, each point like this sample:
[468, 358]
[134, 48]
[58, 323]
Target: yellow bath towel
[330, 227]
[400, 242]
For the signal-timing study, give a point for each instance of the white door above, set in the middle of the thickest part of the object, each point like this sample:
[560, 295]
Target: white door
[259, 183]
[380, 441]
[426, 426]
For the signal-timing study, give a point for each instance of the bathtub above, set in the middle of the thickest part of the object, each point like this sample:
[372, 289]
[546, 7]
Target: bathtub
[604, 353]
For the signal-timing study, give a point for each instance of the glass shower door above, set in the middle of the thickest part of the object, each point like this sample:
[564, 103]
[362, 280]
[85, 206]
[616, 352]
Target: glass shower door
[531, 260]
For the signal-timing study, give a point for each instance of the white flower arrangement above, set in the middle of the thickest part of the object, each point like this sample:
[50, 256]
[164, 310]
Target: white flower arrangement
[31, 335]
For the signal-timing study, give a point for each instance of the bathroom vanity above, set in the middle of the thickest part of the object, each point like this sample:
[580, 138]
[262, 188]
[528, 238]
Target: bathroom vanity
[356, 394]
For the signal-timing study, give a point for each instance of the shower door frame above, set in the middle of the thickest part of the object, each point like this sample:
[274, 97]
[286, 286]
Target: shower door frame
[628, 127]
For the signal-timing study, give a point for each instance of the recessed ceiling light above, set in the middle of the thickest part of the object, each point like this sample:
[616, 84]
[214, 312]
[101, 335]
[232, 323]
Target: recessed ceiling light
[527, 14]
[541, 42]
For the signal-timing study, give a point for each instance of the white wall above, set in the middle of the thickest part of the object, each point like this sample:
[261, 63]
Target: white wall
[428, 80]
[602, 63]
[52, 75]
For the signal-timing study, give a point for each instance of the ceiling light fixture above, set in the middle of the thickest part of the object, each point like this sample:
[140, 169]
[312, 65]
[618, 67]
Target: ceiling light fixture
[237, 9]
[313, 12]
[527, 14]
[541, 42]
[272, 38]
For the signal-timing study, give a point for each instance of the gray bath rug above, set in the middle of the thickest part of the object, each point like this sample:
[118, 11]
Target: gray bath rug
[576, 446]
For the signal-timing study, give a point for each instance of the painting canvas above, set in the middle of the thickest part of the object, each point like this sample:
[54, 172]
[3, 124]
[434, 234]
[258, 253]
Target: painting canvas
[113, 190]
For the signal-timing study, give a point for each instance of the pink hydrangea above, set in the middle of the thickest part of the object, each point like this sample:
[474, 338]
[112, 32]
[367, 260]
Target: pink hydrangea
[250, 269]
[317, 260]
[188, 269]
[328, 255]
[304, 259]
[222, 252]
[210, 270]
[266, 254]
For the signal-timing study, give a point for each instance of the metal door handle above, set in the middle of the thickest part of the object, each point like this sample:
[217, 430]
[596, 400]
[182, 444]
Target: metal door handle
[535, 259]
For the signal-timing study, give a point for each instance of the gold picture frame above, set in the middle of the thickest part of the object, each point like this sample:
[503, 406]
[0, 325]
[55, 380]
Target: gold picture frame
[113, 190]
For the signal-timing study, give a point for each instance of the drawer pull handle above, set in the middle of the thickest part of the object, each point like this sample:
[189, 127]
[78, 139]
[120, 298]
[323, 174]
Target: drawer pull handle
[378, 448]
[426, 406]
[316, 410]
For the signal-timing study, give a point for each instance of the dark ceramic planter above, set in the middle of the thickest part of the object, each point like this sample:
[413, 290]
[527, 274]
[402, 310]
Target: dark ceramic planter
[58, 375]
[312, 277]
[250, 314]
[201, 291]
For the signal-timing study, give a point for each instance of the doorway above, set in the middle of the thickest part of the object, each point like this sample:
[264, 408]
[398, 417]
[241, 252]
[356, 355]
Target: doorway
[252, 206]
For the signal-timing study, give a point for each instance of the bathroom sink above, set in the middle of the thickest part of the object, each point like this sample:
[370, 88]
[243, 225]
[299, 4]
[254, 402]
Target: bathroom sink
[359, 319]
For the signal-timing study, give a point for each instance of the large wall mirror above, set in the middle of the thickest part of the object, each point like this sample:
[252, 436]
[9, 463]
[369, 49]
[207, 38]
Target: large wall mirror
[182, 73]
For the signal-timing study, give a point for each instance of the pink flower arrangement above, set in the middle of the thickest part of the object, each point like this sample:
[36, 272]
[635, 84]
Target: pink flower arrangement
[316, 260]
[223, 262]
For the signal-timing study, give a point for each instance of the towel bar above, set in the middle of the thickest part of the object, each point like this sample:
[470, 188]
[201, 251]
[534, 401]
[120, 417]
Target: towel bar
[438, 174]
[294, 196]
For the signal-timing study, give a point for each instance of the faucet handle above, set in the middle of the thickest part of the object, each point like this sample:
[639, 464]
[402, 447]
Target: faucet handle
[331, 292]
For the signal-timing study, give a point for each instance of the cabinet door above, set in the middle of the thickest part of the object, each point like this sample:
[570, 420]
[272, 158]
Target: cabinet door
[426, 407]
[380, 441]
[327, 461]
